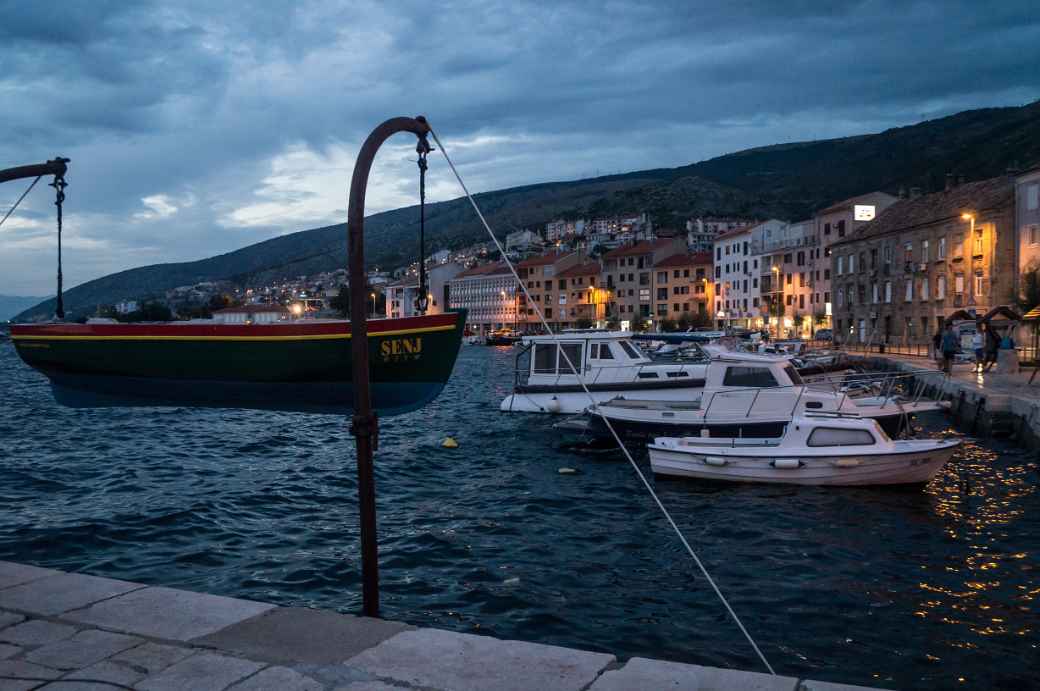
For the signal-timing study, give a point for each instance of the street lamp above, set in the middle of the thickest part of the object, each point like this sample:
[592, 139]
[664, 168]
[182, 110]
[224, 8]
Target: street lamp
[971, 239]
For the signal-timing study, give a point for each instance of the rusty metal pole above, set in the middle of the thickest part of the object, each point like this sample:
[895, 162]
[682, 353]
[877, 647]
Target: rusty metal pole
[364, 425]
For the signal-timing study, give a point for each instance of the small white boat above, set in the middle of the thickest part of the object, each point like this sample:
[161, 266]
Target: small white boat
[745, 395]
[610, 365]
[816, 449]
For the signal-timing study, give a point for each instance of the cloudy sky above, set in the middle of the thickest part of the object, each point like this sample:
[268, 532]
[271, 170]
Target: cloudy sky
[195, 130]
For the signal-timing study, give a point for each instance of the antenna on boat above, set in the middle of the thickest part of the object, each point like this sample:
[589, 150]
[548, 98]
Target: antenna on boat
[56, 167]
[364, 424]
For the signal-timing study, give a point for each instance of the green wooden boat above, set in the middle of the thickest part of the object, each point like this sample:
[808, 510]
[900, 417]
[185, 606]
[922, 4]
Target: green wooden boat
[302, 365]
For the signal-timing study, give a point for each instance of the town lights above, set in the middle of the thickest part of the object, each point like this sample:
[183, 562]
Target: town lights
[297, 309]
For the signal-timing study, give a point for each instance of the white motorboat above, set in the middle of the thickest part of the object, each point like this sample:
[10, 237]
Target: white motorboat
[816, 449]
[747, 395]
[610, 365]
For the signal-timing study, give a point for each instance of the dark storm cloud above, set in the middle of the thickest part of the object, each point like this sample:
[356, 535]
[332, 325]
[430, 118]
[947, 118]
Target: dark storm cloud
[195, 129]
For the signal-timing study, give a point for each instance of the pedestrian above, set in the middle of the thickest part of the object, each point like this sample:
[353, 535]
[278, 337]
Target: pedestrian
[950, 346]
[937, 348]
[978, 340]
[992, 345]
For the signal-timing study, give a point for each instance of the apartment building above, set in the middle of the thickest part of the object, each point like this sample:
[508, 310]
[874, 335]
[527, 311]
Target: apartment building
[488, 292]
[628, 273]
[682, 287]
[1027, 222]
[786, 254]
[898, 277]
[539, 274]
[737, 291]
[580, 296]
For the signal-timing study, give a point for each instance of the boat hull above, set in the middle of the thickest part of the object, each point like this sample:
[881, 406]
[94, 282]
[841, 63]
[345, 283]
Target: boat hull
[916, 467]
[296, 366]
[565, 401]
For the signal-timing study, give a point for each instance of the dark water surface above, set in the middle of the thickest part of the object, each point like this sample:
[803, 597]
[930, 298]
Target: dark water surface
[931, 588]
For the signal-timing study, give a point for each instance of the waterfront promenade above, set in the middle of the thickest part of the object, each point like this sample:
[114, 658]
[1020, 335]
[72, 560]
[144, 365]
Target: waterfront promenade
[74, 632]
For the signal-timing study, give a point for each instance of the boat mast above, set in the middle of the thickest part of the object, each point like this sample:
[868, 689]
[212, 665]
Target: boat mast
[364, 425]
[56, 167]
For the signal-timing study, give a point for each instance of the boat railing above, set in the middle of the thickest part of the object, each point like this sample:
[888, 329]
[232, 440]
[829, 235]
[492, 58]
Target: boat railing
[522, 375]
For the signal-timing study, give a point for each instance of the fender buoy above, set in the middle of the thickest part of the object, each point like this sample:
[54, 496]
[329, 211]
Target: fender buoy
[450, 443]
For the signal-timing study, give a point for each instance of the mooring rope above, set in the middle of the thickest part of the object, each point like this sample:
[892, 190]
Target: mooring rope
[617, 438]
[27, 191]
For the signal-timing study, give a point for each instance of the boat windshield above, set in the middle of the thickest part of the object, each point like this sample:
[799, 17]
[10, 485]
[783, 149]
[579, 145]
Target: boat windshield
[632, 352]
[791, 372]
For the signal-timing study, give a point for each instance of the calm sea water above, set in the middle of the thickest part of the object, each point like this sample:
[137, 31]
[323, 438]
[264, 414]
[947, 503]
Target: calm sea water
[932, 588]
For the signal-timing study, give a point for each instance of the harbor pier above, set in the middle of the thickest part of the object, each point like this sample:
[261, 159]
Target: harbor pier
[987, 403]
[76, 632]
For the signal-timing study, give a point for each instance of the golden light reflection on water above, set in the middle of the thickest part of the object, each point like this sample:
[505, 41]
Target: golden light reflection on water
[984, 589]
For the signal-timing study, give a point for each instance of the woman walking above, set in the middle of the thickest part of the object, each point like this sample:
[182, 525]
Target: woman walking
[950, 346]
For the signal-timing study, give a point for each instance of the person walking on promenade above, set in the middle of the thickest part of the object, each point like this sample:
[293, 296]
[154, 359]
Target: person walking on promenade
[992, 345]
[977, 342]
[937, 348]
[949, 348]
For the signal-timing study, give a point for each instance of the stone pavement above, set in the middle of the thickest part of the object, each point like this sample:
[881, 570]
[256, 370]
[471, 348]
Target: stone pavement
[74, 632]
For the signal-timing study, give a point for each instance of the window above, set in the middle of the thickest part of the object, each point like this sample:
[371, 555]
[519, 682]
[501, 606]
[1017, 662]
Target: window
[570, 358]
[940, 287]
[791, 372]
[909, 289]
[978, 244]
[841, 228]
[924, 250]
[758, 377]
[545, 358]
[887, 252]
[924, 288]
[958, 284]
[1033, 196]
[875, 293]
[662, 293]
[1034, 234]
[852, 263]
[840, 269]
[841, 297]
[662, 276]
[888, 291]
[827, 436]
[631, 351]
[958, 247]
[978, 284]
[908, 252]
[941, 253]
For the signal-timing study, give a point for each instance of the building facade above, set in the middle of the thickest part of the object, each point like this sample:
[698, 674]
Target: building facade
[737, 291]
[1027, 221]
[628, 274]
[897, 278]
[682, 287]
[488, 293]
[785, 253]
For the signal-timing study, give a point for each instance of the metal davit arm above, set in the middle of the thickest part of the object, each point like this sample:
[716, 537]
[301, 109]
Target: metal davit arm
[53, 167]
[364, 425]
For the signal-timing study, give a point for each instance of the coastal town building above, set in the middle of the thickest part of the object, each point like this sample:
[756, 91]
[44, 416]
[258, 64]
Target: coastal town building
[539, 274]
[252, 314]
[788, 302]
[523, 241]
[1027, 222]
[682, 287]
[580, 298]
[628, 274]
[897, 278]
[488, 293]
[701, 232]
[737, 290]
[835, 223]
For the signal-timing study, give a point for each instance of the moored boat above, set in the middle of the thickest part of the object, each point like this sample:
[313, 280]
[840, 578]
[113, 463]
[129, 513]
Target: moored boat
[302, 365]
[816, 449]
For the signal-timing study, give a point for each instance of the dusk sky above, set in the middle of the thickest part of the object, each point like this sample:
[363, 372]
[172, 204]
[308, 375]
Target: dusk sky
[194, 130]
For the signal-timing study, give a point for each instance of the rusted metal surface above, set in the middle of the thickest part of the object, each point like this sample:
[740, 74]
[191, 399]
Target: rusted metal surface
[365, 427]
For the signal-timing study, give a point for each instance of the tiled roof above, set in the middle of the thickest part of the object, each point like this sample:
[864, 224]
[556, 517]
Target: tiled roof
[585, 269]
[485, 270]
[932, 208]
[735, 231]
[684, 259]
[642, 247]
[541, 259]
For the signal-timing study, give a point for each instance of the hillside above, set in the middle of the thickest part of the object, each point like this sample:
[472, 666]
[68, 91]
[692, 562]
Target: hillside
[785, 181]
[11, 305]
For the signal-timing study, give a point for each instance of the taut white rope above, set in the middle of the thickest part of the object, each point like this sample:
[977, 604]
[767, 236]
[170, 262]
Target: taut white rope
[581, 380]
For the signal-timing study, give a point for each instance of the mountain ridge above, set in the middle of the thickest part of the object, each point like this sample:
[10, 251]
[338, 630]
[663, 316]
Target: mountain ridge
[786, 180]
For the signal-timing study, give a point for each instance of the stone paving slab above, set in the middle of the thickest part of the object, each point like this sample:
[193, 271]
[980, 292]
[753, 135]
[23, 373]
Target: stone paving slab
[82, 650]
[7, 651]
[9, 618]
[109, 671]
[278, 679]
[463, 662]
[639, 672]
[16, 574]
[63, 592]
[809, 685]
[295, 634]
[36, 632]
[151, 658]
[177, 615]
[21, 668]
[201, 672]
